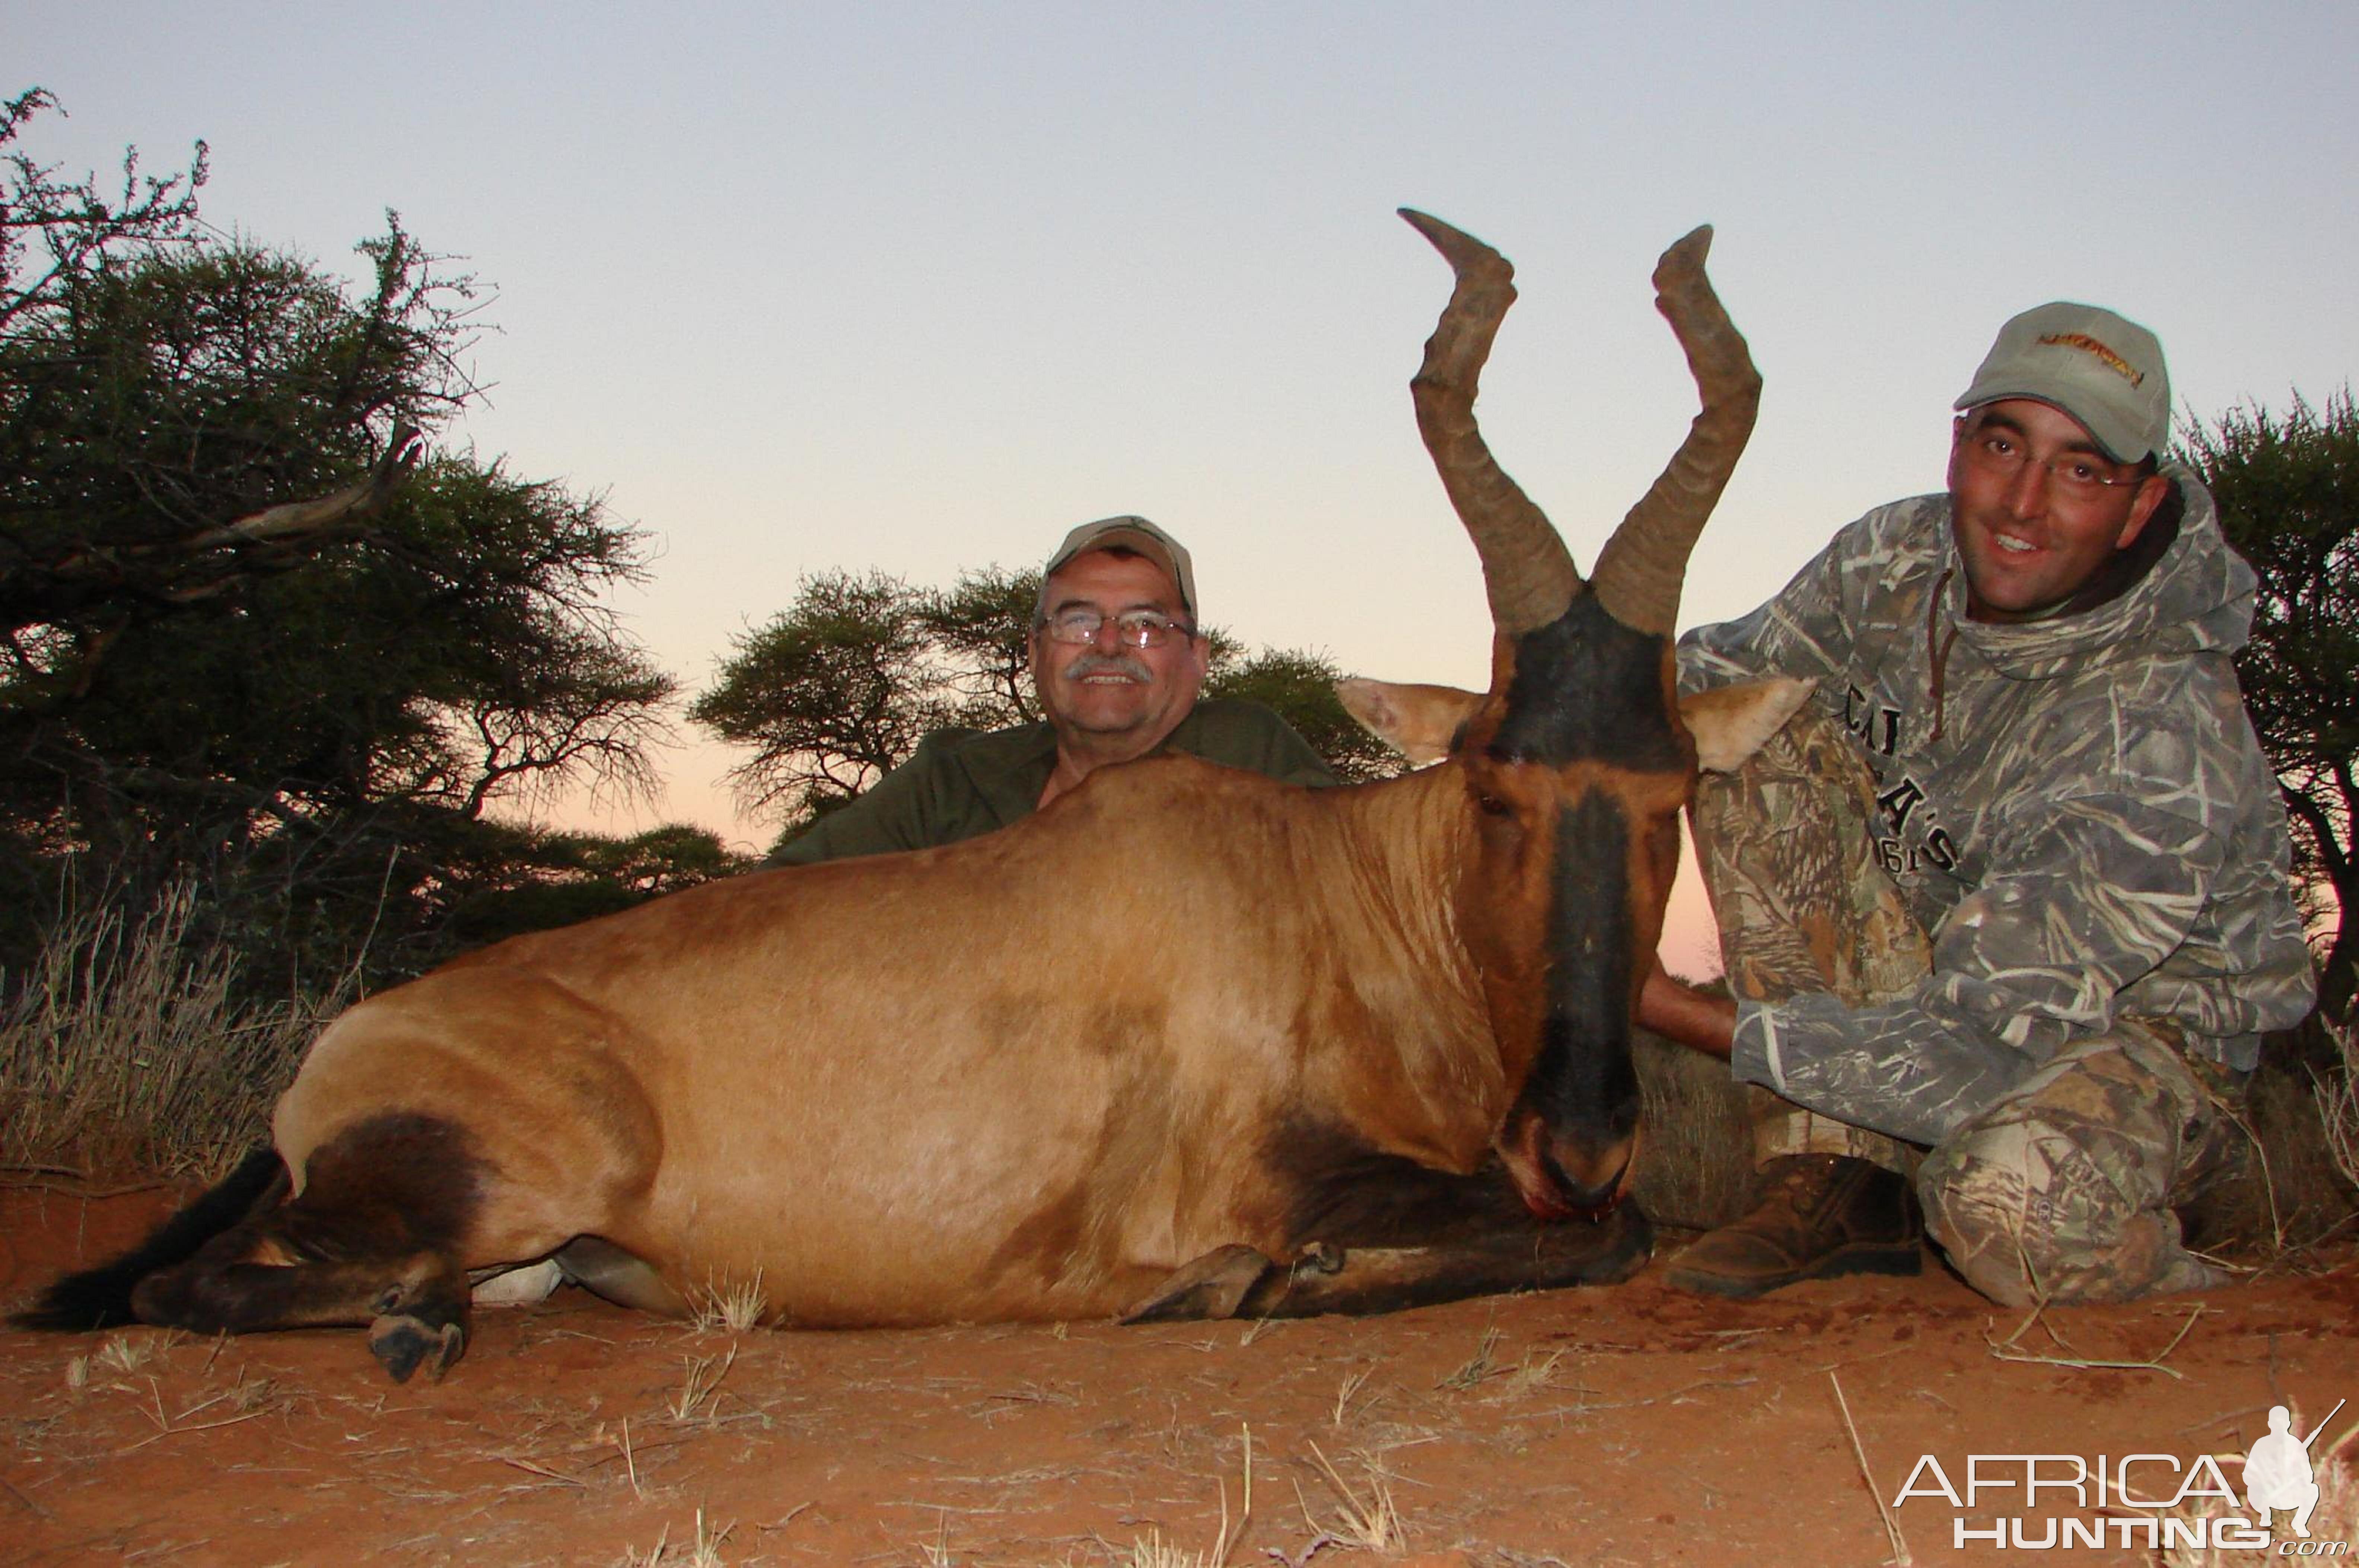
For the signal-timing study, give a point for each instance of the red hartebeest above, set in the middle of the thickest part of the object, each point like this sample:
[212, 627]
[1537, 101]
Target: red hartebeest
[1186, 1042]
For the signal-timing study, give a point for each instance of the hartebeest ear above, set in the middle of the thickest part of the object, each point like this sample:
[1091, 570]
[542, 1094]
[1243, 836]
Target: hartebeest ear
[1730, 722]
[1418, 722]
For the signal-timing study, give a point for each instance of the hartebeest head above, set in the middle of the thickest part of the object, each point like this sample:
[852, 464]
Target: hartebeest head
[1577, 762]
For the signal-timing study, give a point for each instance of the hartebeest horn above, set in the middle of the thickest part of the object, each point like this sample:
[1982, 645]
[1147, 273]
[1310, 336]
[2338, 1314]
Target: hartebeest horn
[1529, 572]
[1641, 567]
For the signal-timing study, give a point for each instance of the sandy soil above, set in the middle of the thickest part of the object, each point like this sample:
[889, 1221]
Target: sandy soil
[1635, 1425]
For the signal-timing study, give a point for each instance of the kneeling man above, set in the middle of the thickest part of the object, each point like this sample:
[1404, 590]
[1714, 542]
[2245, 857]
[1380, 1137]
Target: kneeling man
[2005, 912]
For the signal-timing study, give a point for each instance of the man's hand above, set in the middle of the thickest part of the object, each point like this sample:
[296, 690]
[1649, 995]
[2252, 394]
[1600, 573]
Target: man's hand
[1694, 1018]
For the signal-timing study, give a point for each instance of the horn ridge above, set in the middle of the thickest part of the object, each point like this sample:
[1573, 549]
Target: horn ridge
[1641, 568]
[1527, 571]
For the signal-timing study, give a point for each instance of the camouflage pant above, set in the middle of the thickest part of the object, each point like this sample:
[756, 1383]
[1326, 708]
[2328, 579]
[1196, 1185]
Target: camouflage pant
[2062, 1188]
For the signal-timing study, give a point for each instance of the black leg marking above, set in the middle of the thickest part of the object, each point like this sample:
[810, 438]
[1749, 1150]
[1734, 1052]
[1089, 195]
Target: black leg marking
[386, 1187]
[375, 1239]
[1375, 1233]
[1239, 1282]
[100, 1297]
[1347, 1193]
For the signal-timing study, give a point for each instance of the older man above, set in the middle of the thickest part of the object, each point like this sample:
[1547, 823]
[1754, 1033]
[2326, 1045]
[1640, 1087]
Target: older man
[2014, 891]
[1119, 664]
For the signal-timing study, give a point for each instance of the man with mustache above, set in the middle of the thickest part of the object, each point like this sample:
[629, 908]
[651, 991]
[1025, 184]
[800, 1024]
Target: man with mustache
[2006, 910]
[1119, 664]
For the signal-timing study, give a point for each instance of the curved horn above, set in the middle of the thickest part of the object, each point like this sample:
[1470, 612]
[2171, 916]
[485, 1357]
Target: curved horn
[1529, 572]
[1641, 567]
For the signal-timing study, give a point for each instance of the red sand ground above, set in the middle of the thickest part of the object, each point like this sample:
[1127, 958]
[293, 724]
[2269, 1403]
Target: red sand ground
[1635, 1425]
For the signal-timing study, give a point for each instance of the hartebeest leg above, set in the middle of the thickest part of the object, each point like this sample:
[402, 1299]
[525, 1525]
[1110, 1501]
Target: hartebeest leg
[1239, 1282]
[373, 1239]
[415, 1307]
[1529, 1257]
[1379, 1232]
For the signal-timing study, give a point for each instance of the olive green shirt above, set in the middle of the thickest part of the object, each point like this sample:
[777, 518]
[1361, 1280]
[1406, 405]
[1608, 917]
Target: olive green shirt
[964, 782]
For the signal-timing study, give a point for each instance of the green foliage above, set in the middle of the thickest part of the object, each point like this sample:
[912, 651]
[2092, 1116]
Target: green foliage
[1301, 686]
[981, 627]
[832, 693]
[223, 658]
[559, 879]
[2288, 485]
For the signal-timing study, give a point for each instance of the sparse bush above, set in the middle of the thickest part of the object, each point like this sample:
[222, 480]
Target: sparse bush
[125, 1047]
[2338, 1102]
[251, 631]
[2285, 1187]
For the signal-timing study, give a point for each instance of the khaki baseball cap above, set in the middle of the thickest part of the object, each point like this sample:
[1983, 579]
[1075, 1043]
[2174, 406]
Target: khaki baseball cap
[1138, 534]
[2104, 370]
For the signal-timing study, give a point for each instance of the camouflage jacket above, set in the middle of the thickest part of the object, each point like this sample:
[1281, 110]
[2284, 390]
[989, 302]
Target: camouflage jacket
[2076, 809]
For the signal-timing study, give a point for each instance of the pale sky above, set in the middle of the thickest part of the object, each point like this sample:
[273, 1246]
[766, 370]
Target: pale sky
[918, 287]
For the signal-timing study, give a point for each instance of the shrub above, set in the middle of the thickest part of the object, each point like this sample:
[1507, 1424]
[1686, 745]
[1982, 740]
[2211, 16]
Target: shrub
[123, 1048]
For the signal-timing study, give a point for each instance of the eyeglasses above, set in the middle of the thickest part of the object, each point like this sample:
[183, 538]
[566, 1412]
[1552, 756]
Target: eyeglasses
[2081, 476]
[1131, 628]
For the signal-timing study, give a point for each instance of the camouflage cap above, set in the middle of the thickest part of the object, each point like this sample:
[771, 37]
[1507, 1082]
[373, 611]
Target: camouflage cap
[1135, 533]
[2104, 370]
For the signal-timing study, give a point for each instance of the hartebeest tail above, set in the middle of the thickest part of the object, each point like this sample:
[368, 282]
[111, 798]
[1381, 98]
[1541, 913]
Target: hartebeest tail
[100, 1297]
[1185, 1043]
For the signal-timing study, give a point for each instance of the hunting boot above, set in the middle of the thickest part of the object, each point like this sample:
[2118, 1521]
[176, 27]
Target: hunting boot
[1818, 1215]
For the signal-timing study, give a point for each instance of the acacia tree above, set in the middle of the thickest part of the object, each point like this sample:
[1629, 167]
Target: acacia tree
[2288, 486]
[839, 688]
[832, 693]
[55, 231]
[249, 626]
[981, 627]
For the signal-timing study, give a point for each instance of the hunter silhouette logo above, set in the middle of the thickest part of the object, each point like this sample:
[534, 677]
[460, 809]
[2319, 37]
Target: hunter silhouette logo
[2277, 1473]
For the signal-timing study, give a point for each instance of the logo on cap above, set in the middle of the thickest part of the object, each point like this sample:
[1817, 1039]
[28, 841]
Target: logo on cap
[2105, 355]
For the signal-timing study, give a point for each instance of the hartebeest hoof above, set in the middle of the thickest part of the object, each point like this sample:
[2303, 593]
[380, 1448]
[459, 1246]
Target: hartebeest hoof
[404, 1344]
[1214, 1286]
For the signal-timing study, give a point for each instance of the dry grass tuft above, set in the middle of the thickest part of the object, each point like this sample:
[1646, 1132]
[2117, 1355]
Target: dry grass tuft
[1478, 1367]
[702, 1551]
[699, 1396]
[2338, 1102]
[937, 1552]
[733, 1309]
[1365, 1517]
[1695, 1154]
[1156, 1552]
[1349, 1389]
[122, 1049]
[128, 1352]
[2285, 1185]
[1536, 1373]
